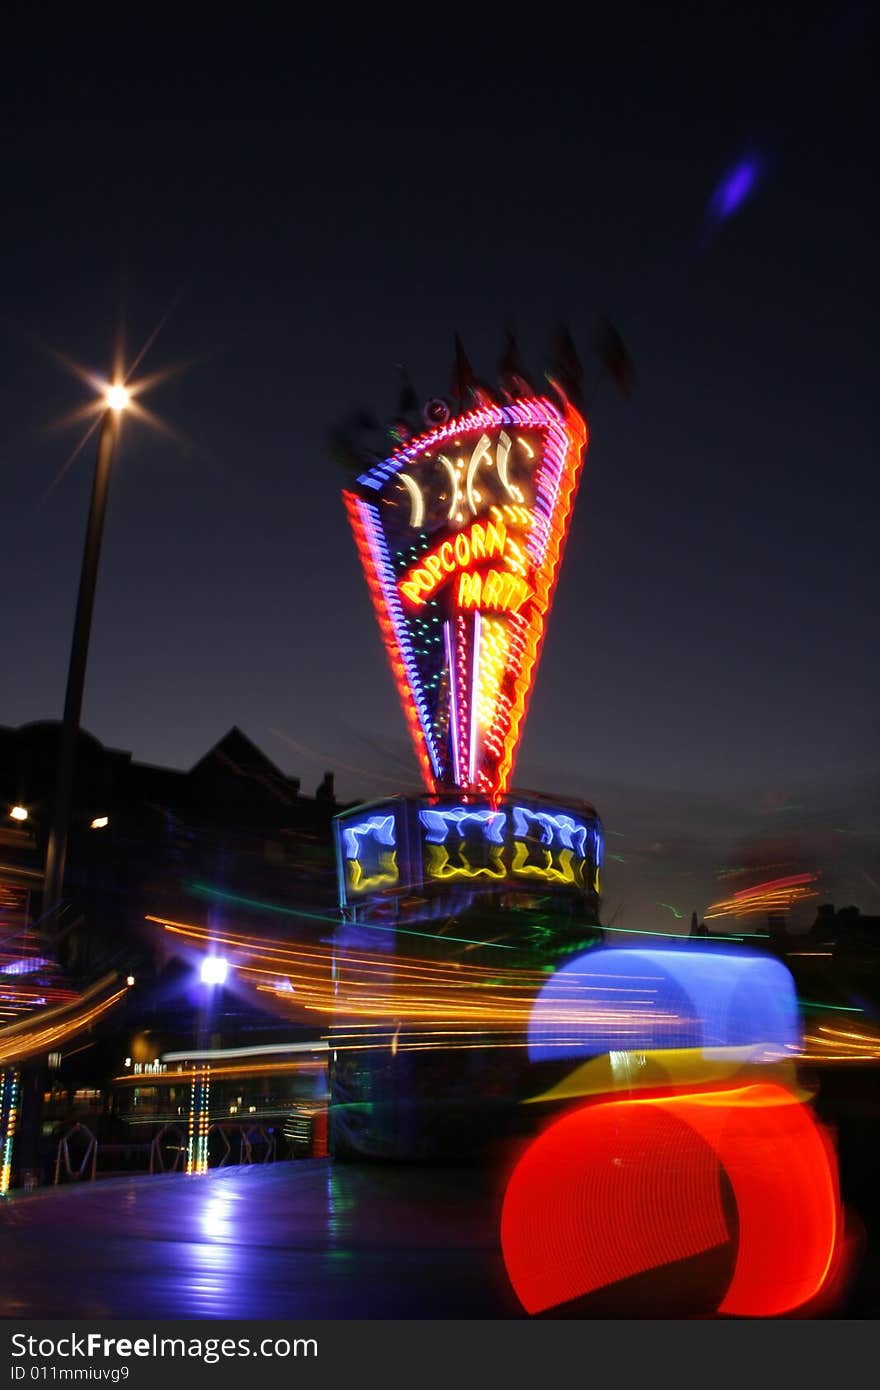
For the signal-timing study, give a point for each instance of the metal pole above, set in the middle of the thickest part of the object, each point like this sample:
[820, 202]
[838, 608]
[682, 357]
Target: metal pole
[56, 853]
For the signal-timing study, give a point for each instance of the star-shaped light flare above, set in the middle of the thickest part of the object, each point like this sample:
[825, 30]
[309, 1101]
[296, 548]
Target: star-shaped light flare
[120, 391]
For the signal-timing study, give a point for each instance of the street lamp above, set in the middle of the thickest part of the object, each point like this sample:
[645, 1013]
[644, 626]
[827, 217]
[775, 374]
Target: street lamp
[19, 813]
[116, 399]
[213, 971]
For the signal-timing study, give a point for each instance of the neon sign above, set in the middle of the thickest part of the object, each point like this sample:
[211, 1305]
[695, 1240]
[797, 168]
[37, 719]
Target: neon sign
[394, 846]
[446, 830]
[379, 833]
[460, 533]
[479, 543]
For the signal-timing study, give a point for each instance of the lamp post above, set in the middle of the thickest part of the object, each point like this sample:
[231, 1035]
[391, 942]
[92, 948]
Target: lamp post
[116, 400]
[212, 973]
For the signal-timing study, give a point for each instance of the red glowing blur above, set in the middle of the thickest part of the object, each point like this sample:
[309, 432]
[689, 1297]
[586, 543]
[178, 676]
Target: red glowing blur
[623, 1186]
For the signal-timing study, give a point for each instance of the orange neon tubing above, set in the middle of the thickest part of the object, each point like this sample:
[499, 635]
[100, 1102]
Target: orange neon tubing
[389, 638]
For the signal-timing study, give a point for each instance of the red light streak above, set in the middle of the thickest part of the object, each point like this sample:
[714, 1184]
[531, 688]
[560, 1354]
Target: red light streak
[622, 1186]
[386, 627]
[525, 541]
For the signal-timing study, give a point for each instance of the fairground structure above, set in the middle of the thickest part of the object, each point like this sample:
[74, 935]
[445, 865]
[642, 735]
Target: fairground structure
[461, 532]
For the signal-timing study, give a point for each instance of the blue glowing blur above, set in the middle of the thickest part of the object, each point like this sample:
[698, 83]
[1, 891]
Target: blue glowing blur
[736, 185]
[439, 823]
[643, 1000]
[379, 827]
[26, 966]
[554, 829]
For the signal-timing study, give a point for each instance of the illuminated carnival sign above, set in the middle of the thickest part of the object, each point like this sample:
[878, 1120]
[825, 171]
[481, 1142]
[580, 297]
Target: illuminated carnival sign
[461, 533]
[407, 842]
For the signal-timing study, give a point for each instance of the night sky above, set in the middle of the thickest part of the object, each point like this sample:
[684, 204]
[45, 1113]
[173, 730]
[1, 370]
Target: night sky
[302, 205]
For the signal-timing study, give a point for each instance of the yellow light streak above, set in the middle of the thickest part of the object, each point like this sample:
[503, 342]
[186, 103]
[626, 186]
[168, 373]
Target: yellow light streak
[374, 986]
[54, 1026]
[169, 1078]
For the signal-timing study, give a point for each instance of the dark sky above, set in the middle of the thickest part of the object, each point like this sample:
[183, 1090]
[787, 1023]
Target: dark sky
[315, 202]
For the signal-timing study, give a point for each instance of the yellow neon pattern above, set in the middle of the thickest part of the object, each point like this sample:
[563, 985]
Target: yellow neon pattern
[386, 876]
[438, 864]
[567, 869]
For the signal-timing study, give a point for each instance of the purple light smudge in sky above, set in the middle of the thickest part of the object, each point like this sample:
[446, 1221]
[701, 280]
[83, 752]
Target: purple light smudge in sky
[735, 187]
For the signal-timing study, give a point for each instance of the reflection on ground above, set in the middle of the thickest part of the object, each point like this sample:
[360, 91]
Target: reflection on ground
[305, 1239]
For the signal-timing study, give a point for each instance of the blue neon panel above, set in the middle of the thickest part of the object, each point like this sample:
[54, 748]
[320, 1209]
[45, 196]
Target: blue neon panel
[641, 1000]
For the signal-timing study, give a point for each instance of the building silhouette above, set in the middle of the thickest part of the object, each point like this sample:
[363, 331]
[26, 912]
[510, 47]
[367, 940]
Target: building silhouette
[230, 842]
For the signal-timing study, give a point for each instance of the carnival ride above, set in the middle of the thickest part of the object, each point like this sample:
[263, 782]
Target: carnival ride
[653, 1095]
[461, 531]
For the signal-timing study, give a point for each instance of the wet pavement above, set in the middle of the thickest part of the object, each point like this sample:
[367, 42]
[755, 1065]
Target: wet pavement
[302, 1239]
[313, 1238]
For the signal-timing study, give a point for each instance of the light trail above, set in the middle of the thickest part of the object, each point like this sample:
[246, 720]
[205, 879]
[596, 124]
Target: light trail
[54, 1026]
[341, 984]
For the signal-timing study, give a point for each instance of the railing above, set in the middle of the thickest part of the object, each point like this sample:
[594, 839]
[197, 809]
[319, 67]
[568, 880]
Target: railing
[221, 1129]
[257, 1136]
[164, 1153]
[91, 1153]
[161, 1143]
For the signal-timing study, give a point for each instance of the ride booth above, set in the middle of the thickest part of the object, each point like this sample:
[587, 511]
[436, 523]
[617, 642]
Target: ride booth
[456, 904]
